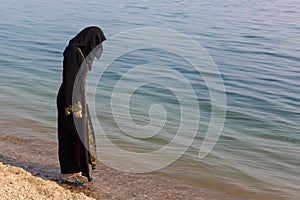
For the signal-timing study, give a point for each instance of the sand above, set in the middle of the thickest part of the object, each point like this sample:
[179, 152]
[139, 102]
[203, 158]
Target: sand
[16, 183]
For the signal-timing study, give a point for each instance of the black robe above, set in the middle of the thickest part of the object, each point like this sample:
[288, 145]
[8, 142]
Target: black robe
[76, 140]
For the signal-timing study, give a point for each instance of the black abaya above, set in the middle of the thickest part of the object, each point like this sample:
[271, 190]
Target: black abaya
[76, 139]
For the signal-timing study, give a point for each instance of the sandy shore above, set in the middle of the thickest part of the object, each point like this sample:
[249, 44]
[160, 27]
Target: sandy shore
[30, 170]
[16, 183]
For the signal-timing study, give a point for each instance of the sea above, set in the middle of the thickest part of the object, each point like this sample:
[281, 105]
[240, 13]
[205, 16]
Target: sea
[204, 91]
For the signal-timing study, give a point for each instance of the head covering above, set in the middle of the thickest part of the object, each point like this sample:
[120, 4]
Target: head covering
[88, 39]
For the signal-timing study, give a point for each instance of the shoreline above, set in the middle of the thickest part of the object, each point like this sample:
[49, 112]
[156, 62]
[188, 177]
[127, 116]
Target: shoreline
[39, 158]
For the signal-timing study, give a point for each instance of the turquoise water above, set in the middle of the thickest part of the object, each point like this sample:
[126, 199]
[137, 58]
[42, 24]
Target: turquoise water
[254, 44]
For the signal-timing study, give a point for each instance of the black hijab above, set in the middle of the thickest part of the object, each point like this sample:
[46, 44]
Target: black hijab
[87, 39]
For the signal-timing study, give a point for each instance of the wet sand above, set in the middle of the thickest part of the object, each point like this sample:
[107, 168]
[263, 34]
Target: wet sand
[39, 158]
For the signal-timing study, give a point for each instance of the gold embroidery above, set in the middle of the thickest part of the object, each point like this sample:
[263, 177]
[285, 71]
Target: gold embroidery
[73, 108]
[92, 145]
[81, 52]
[68, 110]
[94, 163]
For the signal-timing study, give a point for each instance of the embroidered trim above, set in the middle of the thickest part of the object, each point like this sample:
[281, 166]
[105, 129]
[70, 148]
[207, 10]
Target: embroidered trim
[81, 52]
[73, 108]
[94, 163]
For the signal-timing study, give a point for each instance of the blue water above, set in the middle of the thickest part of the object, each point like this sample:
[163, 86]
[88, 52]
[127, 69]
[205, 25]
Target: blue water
[254, 44]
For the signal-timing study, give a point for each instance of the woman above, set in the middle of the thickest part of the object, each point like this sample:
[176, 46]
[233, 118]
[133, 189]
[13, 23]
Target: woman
[76, 142]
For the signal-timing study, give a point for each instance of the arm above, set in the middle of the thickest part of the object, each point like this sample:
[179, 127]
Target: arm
[72, 62]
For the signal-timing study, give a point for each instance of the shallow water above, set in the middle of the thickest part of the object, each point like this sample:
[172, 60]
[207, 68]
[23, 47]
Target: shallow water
[254, 44]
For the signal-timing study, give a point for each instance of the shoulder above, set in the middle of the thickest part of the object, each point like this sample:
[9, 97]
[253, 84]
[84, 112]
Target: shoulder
[72, 55]
[71, 51]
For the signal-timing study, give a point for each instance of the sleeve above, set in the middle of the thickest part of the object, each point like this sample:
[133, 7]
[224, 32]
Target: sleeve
[71, 65]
